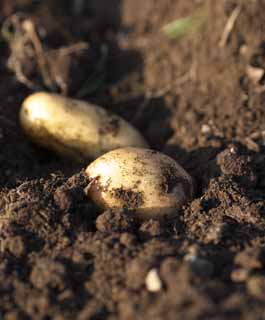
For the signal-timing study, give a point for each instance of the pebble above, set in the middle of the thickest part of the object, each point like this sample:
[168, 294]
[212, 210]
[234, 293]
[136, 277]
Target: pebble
[152, 281]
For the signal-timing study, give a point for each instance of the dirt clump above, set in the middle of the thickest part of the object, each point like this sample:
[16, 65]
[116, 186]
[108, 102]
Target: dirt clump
[115, 220]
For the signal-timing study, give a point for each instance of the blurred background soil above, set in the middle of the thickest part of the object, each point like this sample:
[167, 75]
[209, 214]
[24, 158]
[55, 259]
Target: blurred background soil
[199, 99]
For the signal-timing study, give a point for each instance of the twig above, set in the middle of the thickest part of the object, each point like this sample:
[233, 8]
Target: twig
[90, 185]
[73, 48]
[23, 79]
[42, 61]
[230, 26]
[252, 145]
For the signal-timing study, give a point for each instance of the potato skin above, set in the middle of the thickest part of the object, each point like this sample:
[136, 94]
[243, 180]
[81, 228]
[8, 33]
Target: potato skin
[75, 128]
[150, 183]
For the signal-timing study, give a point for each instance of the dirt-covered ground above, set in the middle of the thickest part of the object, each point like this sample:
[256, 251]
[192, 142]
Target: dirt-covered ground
[199, 99]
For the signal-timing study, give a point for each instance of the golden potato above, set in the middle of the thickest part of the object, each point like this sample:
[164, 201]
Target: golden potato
[150, 183]
[75, 128]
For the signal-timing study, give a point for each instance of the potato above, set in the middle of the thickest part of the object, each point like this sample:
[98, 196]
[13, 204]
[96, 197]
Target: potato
[75, 128]
[148, 182]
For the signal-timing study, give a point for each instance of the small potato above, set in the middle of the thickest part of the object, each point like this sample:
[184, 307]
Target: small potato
[146, 181]
[75, 128]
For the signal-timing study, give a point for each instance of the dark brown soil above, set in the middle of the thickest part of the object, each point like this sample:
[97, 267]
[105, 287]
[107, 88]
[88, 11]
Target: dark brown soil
[202, 104]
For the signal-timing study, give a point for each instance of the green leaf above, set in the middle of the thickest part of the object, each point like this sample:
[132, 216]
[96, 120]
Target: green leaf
[185, 26]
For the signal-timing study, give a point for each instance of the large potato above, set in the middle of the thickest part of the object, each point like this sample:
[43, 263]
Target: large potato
[75, 128]
[149, 182]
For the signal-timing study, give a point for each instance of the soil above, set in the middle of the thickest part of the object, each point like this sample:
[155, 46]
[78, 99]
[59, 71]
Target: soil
[201, 103]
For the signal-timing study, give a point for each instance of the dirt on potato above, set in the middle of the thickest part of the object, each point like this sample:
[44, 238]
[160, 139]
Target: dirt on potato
[199, 99]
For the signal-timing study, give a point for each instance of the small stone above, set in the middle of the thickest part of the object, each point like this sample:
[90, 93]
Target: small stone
[205, 129]
[152, 281]
[233, 149]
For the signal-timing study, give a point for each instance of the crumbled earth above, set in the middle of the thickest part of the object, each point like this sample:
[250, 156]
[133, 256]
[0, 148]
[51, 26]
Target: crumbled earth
[198, 101]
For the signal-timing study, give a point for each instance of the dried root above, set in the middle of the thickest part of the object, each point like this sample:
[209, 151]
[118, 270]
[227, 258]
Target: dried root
[34, 64]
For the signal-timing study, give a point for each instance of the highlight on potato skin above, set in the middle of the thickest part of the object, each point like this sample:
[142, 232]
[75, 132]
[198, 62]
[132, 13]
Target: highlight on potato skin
[145, 181]
[75, 128]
